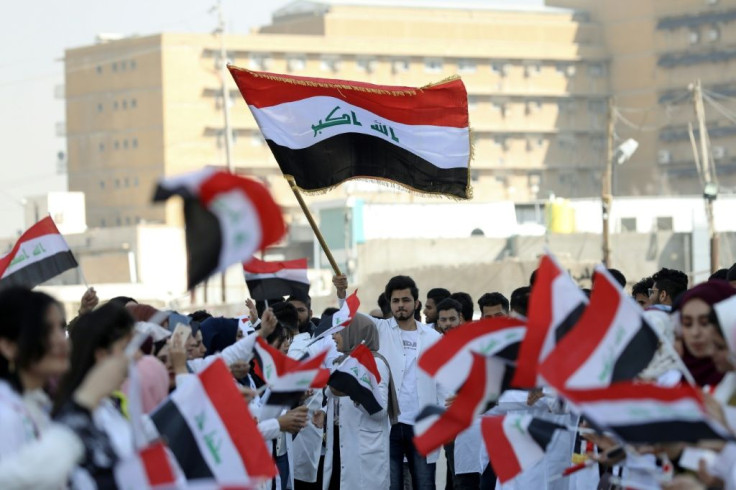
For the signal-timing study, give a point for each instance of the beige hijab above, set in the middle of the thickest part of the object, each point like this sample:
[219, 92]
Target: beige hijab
[362, 330]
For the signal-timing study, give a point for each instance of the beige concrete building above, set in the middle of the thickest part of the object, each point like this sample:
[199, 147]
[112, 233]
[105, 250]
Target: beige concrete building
[657, 48]
[139, 108]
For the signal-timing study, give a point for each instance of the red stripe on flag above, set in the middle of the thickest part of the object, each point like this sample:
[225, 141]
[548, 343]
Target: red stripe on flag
[233, 411]
[269, 213]
[444, 104]
[157, 465]
[636, 391]
[538, 324]
[442, 351]
[578, 345]
[257, 266]
[365, 357]
[500, 451]
[44, 227]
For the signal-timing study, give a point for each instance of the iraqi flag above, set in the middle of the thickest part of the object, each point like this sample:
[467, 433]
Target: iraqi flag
[342, 318]
[436, 426]
[150, 468]
[556, 304]
[323, 132]
[211, 432]
[267, 280]
[449, 359]
[641, 413]
[358, 377]
[227, 217]
[287, 378]
[611, 342]
[39, 254]
[516, 442]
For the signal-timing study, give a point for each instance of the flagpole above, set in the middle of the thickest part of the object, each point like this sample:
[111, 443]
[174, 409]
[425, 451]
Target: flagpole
[314, 226]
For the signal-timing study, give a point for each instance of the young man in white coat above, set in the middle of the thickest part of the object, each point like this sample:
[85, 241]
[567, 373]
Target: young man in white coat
[402, 341]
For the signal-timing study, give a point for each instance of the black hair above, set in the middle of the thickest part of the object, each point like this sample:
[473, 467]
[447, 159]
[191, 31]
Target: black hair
[301, 296]
[287, 315]
[450, 304]
[620, 278]
[438, 294]
[281, 333]
[199, 316]
[520, 300]
[672, 281]
[493, 299]
[383, 304]
[98, 329]
[466, 301]
[642, 287]
[731, 276]
[397, 283]
[720, 274]
[418, 312]
[261, 304]
[122, 300]
[330, 310]
[24, 323]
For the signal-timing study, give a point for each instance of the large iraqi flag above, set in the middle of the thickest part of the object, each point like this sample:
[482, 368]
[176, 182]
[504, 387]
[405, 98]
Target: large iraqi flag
[211, 432]
[39, 254]
[323, 132]
[227, 217]
[358, 377]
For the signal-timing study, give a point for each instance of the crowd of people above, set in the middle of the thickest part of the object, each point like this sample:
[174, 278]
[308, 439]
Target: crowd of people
[64, 392]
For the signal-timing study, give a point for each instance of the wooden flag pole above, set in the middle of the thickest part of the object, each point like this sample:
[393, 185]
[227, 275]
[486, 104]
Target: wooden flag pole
[314, 226]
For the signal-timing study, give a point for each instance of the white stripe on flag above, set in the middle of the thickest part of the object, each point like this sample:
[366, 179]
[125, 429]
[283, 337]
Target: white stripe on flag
[565, 298]
[636, 412]
[130, 474]
[36, 250]
[527, 451]
[444, 147]
[240, 226]
[209, 431]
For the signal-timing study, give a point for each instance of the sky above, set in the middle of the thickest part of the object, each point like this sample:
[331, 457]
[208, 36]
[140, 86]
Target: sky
[33, 37]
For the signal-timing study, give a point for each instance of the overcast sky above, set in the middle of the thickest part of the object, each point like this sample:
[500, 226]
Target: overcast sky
[33, 37]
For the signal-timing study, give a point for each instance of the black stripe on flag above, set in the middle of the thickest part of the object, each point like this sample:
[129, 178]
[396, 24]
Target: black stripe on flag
[204, 241]
[41, 271]
[668, 431]
[357, 392]
[269, 288]
[570, 320]
[542, 431]
[174, 429]
[351, 155]
[284, 398]
[637, 354]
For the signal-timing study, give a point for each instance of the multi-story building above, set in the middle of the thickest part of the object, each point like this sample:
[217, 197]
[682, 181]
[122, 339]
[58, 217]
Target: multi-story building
[144, 107]
[657, 49]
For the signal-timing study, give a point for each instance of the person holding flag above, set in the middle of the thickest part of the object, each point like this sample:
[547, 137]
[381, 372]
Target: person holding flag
[361, 402]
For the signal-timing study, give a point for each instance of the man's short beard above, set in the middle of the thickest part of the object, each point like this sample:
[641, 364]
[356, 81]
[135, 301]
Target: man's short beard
[399, 315]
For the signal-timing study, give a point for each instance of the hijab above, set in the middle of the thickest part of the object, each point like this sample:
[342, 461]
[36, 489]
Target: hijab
[218, 333]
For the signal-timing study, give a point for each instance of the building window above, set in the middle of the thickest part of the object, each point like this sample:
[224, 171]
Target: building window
[135, 181]
[114, 67]
[125, 144]
[433, 65]
[532, 69]
[126, 182]
[713, 34]
[137, 219]
[99, 107]
[597, 106]
[256, 139]
[664, 223]
[133, 103]
[567, 70]
[117, 145]
[330, 63]
[401, 65]
[501, 142]
[596, 70]
[134, 143]
[472, 102]
[628, 225]
[260, 61]
[500, 107]
[123, 65]
[99, 70]
[118, 221]
[115, 105]
[296, 62]
[500, 68]
[693, 37]
[127, 220]
[117, 183]
[366, 65]
[102, 223]
[102, 146]
[125, 104]
[102, 184]
[133, 64]
[466, 66]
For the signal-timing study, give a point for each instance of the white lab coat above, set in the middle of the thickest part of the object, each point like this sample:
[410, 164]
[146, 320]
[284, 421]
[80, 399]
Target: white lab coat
[391, 346]
[364, 441]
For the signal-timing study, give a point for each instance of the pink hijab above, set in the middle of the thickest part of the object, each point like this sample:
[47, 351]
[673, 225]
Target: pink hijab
[154, 382]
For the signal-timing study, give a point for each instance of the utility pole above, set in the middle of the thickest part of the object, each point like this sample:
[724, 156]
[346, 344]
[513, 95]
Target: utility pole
[710, 185]
[606, 197]
[225, 115]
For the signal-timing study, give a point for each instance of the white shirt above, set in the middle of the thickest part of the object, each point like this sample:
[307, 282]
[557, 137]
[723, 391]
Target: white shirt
[408, 402]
